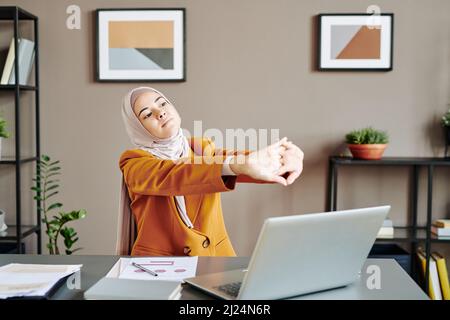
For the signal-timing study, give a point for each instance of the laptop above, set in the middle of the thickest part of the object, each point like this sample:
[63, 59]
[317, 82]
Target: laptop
[300, 254]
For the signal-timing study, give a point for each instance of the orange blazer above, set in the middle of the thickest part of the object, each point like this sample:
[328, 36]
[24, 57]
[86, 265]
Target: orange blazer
[152, 184]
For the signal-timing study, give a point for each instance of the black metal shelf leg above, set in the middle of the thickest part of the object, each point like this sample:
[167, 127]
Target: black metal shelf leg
[413, 201]
[17, 133]
[38, 129]
[332, 186]
[429, 217]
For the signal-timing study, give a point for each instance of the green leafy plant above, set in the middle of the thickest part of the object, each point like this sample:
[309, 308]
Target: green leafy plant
[45, 188]
[367, 136]
[445, 121]
[3, 132]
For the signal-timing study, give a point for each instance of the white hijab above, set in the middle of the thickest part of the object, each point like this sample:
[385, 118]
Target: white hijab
[171, 148]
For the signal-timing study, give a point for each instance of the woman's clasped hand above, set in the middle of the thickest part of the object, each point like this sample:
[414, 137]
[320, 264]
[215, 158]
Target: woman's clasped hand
[281, 162]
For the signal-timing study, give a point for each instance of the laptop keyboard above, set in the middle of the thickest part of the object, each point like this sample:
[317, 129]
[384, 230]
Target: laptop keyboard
[232, 289]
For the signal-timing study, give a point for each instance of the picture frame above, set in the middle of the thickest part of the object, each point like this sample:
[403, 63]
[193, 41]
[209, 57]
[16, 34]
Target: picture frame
[141, 45]
[355, 42]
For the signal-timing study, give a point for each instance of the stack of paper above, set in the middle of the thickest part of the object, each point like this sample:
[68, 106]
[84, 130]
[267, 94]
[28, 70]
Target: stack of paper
[170, 268]
[31, 280]
[127, 281]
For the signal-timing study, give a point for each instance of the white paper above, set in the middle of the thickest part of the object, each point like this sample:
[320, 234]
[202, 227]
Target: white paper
[170, 268]
[21, 280]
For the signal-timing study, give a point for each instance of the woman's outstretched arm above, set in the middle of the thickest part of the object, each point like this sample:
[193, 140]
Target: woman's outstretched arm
[146, 174]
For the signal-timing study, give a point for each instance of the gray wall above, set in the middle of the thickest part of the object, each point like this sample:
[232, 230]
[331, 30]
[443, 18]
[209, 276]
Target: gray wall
[249, 65]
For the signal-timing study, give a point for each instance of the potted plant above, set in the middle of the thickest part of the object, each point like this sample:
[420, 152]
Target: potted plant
[45, 188]
[367, 143]
[445, 121]
[3, 132]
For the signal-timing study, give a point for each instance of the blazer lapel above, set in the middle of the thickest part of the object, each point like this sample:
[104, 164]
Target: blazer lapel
[193, 204]
[194, 201]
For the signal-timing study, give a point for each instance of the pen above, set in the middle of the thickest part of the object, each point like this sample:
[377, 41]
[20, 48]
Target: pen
[144, 269]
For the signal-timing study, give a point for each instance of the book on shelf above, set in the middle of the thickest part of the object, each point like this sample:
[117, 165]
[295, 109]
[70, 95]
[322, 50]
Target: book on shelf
[387, 230]
[434, 286]
[26, 59]
[443, 274]
[442, 223]
[441, 232]
[8, 64]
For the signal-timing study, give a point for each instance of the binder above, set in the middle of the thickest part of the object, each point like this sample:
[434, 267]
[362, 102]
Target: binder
[9, 63]
[26, 58]
[434, 287]
[443, 275]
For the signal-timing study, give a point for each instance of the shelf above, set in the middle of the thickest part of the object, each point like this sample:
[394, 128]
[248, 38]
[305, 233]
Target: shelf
[12, 87]
[405, 234]
[11, 160]
[435, 238]
[392, 161]
[8, 13]
[11, 232]
[18, 18]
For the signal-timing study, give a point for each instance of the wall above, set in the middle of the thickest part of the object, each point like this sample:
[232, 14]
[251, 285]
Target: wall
[249, 65]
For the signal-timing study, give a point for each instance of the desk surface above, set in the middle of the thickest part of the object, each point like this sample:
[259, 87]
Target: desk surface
[395, 282]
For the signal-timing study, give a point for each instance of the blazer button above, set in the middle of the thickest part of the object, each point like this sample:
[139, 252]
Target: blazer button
[186, 250]
[206, 243]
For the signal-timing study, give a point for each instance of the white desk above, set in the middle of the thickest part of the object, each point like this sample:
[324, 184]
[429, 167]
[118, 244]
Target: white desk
[395, 282]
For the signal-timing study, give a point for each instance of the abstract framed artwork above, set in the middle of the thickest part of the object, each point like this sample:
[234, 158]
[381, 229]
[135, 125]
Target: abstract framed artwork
[140, 45]
[353, 41]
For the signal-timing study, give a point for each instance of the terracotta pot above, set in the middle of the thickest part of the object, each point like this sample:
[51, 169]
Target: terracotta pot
[367, 151]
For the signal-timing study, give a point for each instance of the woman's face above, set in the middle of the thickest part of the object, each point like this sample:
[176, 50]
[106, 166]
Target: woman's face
[157, 115]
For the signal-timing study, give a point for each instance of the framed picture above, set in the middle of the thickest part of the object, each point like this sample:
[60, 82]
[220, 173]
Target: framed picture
[355, 41]
[141, 45]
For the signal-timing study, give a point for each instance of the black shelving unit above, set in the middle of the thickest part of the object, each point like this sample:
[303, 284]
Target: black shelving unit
[18, 232]
[411, 234]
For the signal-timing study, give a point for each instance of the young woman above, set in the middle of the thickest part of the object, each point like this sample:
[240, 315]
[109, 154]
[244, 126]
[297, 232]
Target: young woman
[170, 203]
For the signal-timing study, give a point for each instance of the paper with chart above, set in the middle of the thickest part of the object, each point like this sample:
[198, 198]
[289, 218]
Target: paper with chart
[170, 268]
[22, 280]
